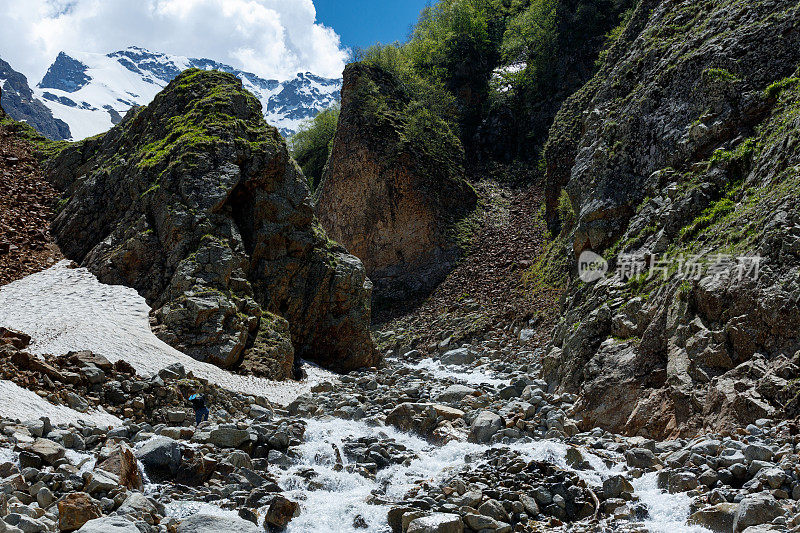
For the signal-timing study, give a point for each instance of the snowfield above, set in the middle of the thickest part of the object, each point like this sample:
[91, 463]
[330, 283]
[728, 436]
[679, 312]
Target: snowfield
[22, 404]
[67, 309]
[132, 77]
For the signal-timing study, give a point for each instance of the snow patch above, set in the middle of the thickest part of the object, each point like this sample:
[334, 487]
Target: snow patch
[67, 309]
[23, 404]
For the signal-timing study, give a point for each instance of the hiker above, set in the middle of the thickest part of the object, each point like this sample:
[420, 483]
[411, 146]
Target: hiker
[200, 409]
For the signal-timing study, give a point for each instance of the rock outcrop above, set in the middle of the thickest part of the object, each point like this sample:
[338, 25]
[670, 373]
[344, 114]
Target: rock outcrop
[682, 150]
[194, 202]
[20, 104]
[392, 198]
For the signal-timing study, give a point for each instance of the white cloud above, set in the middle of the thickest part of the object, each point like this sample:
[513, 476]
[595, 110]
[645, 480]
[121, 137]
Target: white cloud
[272, 38]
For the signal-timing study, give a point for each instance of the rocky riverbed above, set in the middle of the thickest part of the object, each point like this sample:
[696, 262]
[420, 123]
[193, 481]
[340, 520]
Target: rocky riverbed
[463, 438]
[452, 436]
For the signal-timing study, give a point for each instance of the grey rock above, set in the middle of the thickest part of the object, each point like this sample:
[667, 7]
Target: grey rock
[494, 509]
[480, 522]
[640, 458]
[485, 425]
[455, 393]
[615, 486]
[436, 523]
[756, 452]
[160, 453]
[459, 356]
[755, 510]
[109, 524]
[204, 523]
[228, 437]
[718, 518]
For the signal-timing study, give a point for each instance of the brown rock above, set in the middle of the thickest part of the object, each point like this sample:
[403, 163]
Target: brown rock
[122, 463]
[75, 509]
[195, 468]
[49, 451]
[14, 338]
[86, 357]
[280, 512]
[390, 202]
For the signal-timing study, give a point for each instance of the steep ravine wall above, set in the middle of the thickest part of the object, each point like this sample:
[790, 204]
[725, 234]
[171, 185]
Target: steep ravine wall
[684, 149]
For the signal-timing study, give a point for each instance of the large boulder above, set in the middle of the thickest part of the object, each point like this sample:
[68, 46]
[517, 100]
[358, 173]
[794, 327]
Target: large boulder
[109, 524]
[280, 512]
[228, 436]
[203, 523]
[160, 455]
[485, 425]
[755, 510]
[391, 194]
[194, 202]
[122, 463]
[718, 518]
[47, 450]
[436, 523]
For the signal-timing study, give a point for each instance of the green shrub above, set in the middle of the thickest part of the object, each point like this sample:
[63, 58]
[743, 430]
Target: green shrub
[450, 62]
[716, 212]
[775, 90]
[720, 75]
[311, 145]
[566, 214]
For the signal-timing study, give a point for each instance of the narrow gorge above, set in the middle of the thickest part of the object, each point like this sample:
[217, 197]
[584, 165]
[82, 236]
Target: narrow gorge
[539, 271]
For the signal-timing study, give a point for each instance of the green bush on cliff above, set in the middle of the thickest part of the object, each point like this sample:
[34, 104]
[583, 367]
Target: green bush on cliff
[447, 61]
[311, 145]
[450, 62]
[44, 148]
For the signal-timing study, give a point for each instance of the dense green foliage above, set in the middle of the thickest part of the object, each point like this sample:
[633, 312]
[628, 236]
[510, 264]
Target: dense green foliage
[467, 60]
[312, 144]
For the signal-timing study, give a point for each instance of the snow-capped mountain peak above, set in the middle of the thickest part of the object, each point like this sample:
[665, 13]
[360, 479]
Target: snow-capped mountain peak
[91, 92]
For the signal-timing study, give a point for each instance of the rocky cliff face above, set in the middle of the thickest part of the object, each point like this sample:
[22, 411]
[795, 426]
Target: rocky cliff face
[683, 150]
[195, 203]
[20, 104]
[392, 202]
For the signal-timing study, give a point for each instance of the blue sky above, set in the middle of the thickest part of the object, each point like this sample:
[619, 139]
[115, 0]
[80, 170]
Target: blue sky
[271, 38]
[361, 23]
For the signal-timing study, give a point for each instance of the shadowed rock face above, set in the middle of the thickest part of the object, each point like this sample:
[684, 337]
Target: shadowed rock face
[392, 203]
[20, 104]
[195, 203]
[684, 145]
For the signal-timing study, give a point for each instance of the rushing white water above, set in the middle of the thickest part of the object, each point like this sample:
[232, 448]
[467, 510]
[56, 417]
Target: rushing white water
[341, 498]
[65, 309]
[668, 512]
[465, 375]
